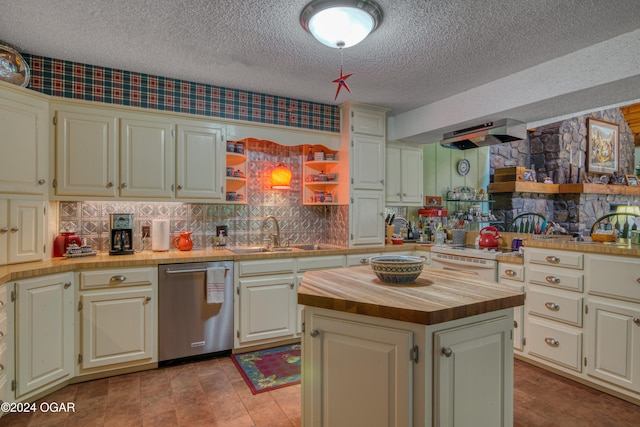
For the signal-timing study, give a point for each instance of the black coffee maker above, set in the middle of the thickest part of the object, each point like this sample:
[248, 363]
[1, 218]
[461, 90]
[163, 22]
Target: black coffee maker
[121, 234]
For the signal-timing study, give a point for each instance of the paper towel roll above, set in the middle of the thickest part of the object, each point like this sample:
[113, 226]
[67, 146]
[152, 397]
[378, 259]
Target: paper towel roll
[160, 238]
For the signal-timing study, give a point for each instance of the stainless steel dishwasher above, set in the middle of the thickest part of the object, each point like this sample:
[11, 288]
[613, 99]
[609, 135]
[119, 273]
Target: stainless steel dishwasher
[187, 324]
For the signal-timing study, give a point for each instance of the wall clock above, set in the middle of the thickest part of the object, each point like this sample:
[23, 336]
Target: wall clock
[463, 167]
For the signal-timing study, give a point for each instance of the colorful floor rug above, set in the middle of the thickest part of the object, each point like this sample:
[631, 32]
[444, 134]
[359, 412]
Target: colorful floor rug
[268, 369]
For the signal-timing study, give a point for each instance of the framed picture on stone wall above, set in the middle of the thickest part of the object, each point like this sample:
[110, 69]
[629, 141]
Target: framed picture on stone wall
[603, 146]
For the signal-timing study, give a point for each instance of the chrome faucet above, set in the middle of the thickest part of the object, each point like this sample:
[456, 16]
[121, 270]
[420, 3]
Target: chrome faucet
[276, 237]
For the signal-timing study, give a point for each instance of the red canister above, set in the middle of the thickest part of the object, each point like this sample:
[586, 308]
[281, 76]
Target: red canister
[62, 242]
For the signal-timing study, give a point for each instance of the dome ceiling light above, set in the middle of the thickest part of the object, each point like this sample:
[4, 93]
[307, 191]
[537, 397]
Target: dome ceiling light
[341, 24]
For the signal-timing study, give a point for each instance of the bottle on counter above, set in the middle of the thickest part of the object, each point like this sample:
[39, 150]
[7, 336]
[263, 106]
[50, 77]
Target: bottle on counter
[409, 231]
[440, 235]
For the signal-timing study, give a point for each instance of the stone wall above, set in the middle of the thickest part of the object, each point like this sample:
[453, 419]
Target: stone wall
[558, 151]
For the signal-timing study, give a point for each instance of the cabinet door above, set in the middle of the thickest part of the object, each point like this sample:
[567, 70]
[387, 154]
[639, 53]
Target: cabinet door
[268, 308]
[117, 327]
[411, 176]
[367, 171]
[44, 331]
[146, 158]
[473, 375]
[26, 231]
[4, 231]
[613, 351]
[367, 225]
[199, 162]
[356, 374]
[86, 161]
[393, 175]
[24, 144]
[368, 122]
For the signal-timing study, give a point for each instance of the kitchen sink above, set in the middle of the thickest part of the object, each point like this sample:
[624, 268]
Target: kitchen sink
[312, 247]
[258, 249]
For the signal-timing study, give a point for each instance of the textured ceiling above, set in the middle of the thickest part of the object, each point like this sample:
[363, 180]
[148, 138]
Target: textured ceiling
[424, 50]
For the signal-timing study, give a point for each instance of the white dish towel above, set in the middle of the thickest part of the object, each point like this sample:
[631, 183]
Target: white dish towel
[215, 285]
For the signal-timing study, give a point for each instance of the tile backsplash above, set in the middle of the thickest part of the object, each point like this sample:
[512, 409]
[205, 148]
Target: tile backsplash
[301, 224]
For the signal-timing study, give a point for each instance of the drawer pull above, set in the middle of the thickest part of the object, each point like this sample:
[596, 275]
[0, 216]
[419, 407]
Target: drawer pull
[552, 279]
[447, 351]
[552, 342]
[1, 334]
[553, 259]
[1, 367]
[314, 333]
[515, 324]
[510, 273]
[291, 285]
[147, 300]
[552, 306]
[364, 261]
[636, 320]
[120, 278]
[638, 280]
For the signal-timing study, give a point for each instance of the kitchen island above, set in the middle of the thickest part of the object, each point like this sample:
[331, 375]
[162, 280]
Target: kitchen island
[436, 352]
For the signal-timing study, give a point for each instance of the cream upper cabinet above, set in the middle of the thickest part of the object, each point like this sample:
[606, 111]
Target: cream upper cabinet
[24, 152]
[86, 152]
[146, 157]
[200, 155]
[44, 332]
[366, 218]
[403, 176]
[367, 171]
[22, 225]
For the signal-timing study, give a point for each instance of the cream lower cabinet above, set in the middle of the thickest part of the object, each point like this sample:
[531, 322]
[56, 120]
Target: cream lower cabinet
[512, 275]
[6, 345]
[118, 319]
[363, 370]
[22, 230]
[266, 301]
[44, 333]
[613, 320]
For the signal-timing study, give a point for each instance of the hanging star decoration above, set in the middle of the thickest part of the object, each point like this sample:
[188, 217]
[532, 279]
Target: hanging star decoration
[342, 83]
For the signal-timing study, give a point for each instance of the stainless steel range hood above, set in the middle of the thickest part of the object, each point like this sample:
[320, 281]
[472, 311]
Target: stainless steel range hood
[490, 133]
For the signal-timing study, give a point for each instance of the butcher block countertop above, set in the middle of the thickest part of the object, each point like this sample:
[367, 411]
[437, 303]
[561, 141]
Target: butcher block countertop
[437, 296]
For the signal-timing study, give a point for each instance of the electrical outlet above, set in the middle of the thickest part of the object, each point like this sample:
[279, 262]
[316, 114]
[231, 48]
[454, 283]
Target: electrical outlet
[146, 230]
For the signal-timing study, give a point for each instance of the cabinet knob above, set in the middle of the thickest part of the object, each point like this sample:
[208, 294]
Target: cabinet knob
[552, 306]
[67, 284]
[1, 367]
[41, 182]
[398, 194]
[364, 261]
[179, 187]
[314, 333]
[14, 228]
[515, 324]
[147, 299]
[447, 351]
[552, 342]
[1, 334]
[291, 285]
[123, 185]
[638, 280]
[404, 194]
[636, 320]
[553, 259]
[120, 278]
[552, 279]
[109, 184]
[4, 229]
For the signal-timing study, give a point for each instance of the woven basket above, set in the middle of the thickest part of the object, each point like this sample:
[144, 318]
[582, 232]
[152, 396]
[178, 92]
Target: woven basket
[608, 236]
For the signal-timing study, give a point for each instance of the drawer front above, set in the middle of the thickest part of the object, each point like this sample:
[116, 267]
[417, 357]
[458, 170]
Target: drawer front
[554, 305]
[320, 262]
[614, 277]
[556, 258]
[4, 356]
[554, 343]
[116, 278]
[511, 271]
[359, 259]
[267, 266]
[561, 278]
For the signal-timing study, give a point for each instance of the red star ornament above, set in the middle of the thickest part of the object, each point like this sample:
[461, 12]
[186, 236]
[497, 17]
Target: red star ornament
[341, 82]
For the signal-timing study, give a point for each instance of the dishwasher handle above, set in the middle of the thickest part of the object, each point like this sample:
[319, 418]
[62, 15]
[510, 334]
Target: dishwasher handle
[192, 270]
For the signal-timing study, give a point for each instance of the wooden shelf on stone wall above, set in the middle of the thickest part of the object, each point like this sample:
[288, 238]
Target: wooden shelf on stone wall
[537, 187]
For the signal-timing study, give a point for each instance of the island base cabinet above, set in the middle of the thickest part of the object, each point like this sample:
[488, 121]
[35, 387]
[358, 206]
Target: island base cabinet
[362, 370]
[117, 328]
[358, 375]
[473, 375]
[613, 350]
[44, 332]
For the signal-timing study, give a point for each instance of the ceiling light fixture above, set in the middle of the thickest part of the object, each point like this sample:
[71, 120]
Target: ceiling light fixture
[341, 23]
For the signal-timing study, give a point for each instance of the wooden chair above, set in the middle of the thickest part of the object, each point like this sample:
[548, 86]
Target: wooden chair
[528, 222]
[617, 221]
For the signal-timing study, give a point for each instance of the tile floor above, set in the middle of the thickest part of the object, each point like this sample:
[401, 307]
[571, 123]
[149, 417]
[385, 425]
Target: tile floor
[212, 393]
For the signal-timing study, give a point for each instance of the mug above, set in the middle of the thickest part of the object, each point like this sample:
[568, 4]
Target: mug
[231, 146]
[229, 171]
[516, 244]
